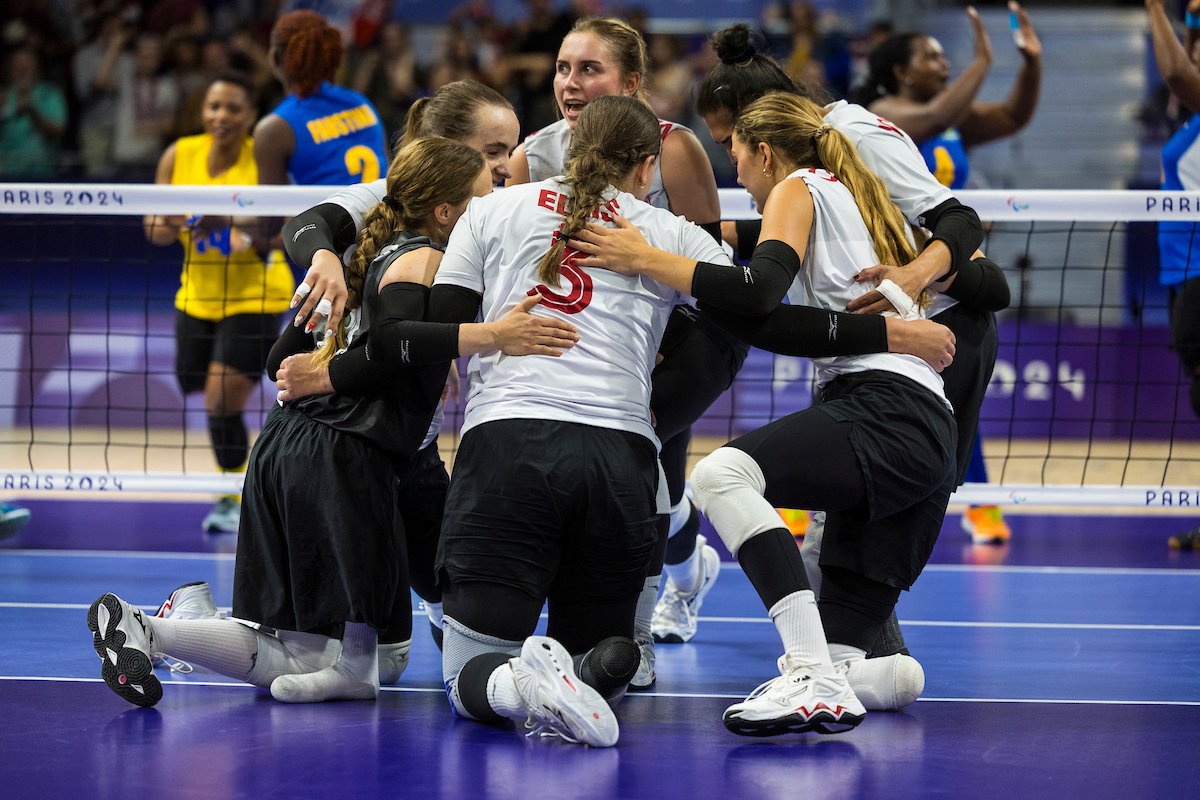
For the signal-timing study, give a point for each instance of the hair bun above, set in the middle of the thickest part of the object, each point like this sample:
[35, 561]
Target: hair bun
[733, 45]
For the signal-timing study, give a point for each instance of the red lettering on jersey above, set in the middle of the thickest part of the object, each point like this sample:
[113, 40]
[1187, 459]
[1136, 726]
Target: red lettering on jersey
[828, 176]
[580, 295]
[546, 199]
[887, 126]
[561, 206]
[664, 129]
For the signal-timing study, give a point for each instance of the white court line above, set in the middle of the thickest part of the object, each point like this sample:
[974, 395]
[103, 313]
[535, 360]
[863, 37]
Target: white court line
[1100, 626]
[724, 565]
[958, 624]
[682, 695]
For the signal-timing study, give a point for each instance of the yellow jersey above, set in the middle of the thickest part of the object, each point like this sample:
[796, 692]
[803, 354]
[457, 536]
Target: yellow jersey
[217, 281]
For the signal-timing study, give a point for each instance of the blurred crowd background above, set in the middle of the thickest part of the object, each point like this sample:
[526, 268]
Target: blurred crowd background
[116, 80]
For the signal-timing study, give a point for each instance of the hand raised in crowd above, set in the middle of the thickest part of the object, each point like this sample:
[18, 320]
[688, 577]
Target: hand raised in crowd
[1026, 38]
[519, 333]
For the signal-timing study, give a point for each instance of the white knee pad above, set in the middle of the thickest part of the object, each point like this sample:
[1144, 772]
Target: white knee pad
[728, 486]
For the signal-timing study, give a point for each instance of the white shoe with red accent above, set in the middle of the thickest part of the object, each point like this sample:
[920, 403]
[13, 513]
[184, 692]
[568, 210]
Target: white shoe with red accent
[190, 601]
[124, 642]
[559, 703]
[801, 699]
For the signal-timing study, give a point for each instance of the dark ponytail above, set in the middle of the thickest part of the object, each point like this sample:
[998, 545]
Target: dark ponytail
[881, 78]
[742, 76]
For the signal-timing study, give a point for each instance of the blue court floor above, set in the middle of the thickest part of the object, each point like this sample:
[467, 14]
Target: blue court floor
[1064, 665]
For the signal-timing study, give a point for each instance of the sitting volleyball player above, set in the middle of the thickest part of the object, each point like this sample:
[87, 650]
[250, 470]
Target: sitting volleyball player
[884, 428]
[321, 549]
[556, 489]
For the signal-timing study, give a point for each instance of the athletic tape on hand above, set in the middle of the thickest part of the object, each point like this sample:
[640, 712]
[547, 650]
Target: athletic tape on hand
[905, 307]
[302, 290]
[323, 308]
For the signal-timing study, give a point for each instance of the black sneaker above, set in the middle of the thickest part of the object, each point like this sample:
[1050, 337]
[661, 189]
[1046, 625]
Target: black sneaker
[1185, 541]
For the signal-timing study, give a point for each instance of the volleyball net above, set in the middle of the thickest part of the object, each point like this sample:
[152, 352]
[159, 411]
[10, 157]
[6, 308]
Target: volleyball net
[1088, 404]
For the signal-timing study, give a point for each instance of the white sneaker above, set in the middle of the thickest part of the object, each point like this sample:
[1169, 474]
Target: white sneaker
[125, 643]
[884, 684]
[225, 517]
[393, 660]
[190, 601]
[676, 614]
[801, 699]
[559, 702]
[644, 678]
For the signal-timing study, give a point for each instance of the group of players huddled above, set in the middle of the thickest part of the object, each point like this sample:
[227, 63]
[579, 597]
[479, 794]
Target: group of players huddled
[597, 298]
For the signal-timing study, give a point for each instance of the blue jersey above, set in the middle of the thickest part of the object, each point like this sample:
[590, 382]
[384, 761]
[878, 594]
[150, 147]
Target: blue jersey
[947, 158]
[1178, 242]
[339, 138]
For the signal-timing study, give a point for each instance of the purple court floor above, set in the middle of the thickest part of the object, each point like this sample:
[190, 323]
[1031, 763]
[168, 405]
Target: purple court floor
[1064, 665]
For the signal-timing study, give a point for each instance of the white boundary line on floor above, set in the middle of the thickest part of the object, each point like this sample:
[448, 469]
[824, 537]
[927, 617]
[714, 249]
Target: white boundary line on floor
[1100, 626]
[724, 565]
[681, 695]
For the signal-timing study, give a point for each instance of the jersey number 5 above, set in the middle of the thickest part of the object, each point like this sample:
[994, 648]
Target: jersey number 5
[580, 295]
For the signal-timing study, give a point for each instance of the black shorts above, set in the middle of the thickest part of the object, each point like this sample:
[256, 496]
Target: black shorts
[1184, 316]
[905, 441]
[555, 509]
[966, 379]
[242, 342]
[422, 485]
[320, 541]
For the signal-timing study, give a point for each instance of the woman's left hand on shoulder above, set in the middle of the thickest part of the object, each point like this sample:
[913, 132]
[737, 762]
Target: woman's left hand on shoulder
[619, 249]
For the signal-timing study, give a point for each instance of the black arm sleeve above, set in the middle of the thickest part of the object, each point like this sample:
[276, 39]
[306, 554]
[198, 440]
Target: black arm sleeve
[755, 289]
[293, 340]
[395, 339]
[327, 226]
[748, 231]
[713, 229]
[958, 227]
[981, 284]
[354, 373]
[805, 331]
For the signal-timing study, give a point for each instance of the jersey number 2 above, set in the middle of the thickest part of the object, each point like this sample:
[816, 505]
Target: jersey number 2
[580, 295]
[362, 163]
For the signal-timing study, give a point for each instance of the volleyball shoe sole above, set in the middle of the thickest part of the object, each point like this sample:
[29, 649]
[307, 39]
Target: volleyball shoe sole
[124, 642]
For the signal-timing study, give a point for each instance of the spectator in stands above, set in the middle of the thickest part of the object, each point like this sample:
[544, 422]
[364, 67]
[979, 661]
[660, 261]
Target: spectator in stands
[909, 84]
[191, 83]
[1178, 65]
[96, 91]
[146, 102]
[387, 75]
[670, 78]
[537, 39]
[33, 116]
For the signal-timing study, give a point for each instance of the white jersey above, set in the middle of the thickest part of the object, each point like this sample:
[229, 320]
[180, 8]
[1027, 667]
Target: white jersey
[839, 247]
[892, 155]
[604, 380]
[546, 152]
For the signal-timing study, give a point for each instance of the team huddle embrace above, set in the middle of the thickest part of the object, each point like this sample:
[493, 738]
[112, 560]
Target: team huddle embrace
[597, 299]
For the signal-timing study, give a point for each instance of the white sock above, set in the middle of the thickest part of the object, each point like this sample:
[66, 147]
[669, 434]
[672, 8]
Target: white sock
[844, 652]
[645, 608]
[434, 612]
[393, 660]
[232, 649]
[355, 675]
[686, 574]
[502, 694]
[799, 625]
[679, 516]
